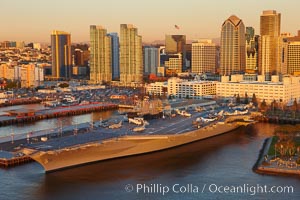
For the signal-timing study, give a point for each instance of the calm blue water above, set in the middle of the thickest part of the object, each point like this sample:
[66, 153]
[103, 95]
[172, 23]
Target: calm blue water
[225, 160]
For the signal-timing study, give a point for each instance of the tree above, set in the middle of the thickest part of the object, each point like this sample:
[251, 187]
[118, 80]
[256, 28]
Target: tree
[263, 105]
[274, 105]
[295, 105]
[246, 98]
[254, 100]
[238, 99]
[280, 104]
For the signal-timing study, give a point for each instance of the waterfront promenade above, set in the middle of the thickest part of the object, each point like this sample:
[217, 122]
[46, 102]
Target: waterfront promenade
[269, 165]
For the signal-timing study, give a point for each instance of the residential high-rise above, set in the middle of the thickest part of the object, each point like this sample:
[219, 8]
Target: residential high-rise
[61, 55]
[100, 56]
[151, 60]
[203, 56]
[269, 63]
[232, 58]
[115, 61]
[131, 58]
[251, 51]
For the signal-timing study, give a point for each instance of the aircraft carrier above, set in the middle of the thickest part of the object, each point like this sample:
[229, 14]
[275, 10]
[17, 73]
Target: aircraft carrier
[124, 138]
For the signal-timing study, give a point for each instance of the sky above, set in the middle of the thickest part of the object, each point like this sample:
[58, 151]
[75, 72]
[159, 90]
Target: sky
[33, 20]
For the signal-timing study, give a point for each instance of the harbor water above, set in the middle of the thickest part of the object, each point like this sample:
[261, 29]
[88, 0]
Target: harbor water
[225, 160]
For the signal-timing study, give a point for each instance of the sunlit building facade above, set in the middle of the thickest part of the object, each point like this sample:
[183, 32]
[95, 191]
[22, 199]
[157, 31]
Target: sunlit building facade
[269, 63]
[285, 91]
[232, 55]
[131, 58]
[190, 89]
[100, 56]
[203, 56]
[61, 55]
[251, 51]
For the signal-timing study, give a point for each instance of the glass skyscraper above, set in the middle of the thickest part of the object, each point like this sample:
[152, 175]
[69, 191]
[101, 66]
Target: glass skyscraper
[115, 62]
[61, 55]
[269, 43]
[232, 58]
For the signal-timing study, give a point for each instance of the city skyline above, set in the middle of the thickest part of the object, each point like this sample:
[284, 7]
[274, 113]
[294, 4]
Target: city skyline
[153, 20]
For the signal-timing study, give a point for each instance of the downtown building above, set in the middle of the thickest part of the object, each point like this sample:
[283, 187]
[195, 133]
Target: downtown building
[100, 55]
[203, 57]
[175, 45]
[269, 59]
[173, 65]
[151, 60]
[196, 89]
[290, 58]
[252, 51]
[284, 91]
[232, 54]
[131, 58]
[115, 56]
[61, 55]
[30, 75]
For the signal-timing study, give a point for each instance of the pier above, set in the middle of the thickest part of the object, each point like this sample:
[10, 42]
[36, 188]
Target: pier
[26, 115]
[8, 159]
[20, 101]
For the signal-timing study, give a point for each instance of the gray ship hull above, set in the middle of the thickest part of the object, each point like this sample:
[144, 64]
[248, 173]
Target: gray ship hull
[53, 160]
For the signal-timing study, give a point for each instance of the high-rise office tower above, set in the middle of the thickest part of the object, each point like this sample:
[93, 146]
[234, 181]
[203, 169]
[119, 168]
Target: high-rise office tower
[251, 51]
[176, 44]
[131, 58]
[100, 57]
[269, 63]
[203, 56]
[78, 57]
[151, 60]
[232, 58]
[61, 55]
[115, 55]
[290, 58]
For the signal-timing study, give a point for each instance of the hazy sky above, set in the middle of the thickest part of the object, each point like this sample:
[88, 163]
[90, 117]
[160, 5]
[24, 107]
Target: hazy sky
[33, 20]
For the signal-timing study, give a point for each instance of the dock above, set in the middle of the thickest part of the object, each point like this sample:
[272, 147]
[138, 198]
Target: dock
[20, 116]
[8, 159]
[20, 101]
